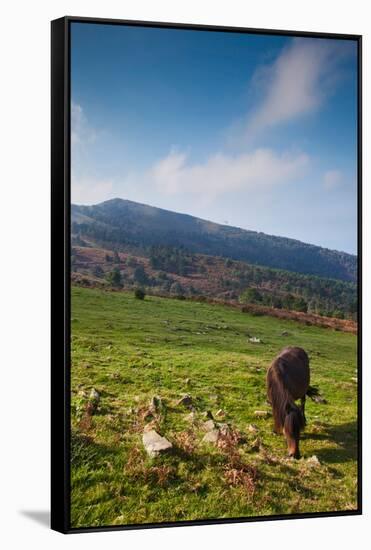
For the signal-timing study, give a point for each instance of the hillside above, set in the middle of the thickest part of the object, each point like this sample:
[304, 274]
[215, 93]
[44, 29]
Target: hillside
[119, 224]
[176, 273]
[130, 350]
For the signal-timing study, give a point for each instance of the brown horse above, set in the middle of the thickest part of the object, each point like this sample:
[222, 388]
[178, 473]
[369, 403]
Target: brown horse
[288, 380]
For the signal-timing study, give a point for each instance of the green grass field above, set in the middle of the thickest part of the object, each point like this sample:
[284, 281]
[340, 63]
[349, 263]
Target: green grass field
[131, 350]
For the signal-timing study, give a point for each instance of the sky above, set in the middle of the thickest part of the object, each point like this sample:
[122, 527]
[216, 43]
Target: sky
[250, 130]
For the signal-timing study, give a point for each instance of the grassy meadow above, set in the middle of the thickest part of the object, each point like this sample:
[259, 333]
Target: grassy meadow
[130, 350]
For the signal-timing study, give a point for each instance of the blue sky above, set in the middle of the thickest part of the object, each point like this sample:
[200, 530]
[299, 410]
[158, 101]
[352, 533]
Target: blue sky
[256, 131]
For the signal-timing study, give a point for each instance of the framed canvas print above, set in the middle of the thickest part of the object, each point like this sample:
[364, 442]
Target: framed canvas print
[206, 274]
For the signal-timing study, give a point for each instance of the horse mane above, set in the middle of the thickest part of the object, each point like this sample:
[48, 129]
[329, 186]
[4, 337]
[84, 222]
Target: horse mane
[286, 413]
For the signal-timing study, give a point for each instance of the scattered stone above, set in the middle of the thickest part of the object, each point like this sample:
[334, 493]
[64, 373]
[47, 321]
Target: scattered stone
[208, 425]
[262, 414]
[154, 443]
[94, 395]
[254, 340]
[212, 436]
[252, 428]
[149, 426]
[93, 402]
[319, 399]
[207, 414]
[220, 413]
[313, 462]
[186, 401]
[191, 417]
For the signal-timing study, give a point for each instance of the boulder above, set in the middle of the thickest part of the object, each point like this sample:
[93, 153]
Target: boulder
[252, 428]
[211, 436]
[208, 425]
[94, 395]
[313, 462]
[154, 443]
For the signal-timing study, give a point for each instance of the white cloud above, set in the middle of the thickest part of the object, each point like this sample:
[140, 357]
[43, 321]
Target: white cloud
[90, 191]
[81, 131]
[222, 173]
[298, 81]
[332, 178]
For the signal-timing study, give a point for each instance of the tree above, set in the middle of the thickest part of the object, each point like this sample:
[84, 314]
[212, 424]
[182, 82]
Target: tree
[140, 275]
[251, 296]
[114, 277]
[98, 271]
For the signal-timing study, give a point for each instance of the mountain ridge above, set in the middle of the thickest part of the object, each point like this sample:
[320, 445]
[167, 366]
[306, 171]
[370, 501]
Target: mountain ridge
[121, 222]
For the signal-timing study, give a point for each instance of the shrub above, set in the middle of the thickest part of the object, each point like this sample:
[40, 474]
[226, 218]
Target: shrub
[139, 293]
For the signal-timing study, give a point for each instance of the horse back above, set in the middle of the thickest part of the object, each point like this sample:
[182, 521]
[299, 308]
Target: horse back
[292, 366]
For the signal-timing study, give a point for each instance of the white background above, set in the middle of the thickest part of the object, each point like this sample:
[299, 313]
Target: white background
[24, 302]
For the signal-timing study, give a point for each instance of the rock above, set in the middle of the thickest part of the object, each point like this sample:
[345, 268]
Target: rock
[220, 413]
[208, 425]
[313, 462]
[191, 417]
[319, 399]
[154, 443]
[254, 340]
[207, 414]
[262, 414]
[94, 395]
[212, 436]
[187, 381]
[252, 428]
[186, 401]
[82, 393]
[354, 379]
[284, 333]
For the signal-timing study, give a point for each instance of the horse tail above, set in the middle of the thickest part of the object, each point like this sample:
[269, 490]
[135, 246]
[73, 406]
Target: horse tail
[312, 392]
[286, 414]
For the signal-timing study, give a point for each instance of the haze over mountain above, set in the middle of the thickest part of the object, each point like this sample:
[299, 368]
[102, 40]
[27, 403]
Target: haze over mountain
[120, 222]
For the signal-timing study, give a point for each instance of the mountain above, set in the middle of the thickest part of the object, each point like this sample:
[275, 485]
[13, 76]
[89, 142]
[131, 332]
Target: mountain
[119, 224]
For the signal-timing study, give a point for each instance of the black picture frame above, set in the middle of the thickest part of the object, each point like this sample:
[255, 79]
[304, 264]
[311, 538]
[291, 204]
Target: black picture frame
[60, 271]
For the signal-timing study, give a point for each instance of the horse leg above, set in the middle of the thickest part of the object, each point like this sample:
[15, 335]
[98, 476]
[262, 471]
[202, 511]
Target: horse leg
[302, 408]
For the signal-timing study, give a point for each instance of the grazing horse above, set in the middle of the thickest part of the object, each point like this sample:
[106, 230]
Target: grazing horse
[287, 381]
